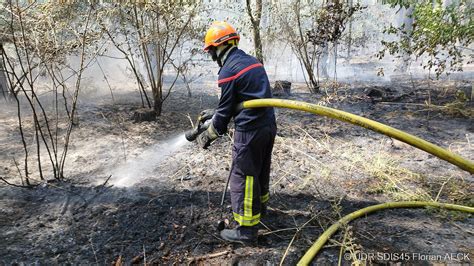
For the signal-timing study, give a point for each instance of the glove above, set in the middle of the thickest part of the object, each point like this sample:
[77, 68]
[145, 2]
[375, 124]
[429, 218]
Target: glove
[207, 137]
[206, 115]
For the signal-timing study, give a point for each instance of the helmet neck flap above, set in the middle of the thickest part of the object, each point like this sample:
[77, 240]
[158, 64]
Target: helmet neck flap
[220, 53]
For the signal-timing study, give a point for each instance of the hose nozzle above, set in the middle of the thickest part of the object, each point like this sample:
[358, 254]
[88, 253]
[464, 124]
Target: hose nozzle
[192, 134]
[202, 124]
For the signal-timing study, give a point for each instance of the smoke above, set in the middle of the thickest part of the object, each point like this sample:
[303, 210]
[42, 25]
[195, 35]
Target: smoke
[143, 166]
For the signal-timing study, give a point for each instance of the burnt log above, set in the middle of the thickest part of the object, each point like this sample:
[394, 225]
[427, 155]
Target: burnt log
[282, 88]
[144, 115]
[467, 92]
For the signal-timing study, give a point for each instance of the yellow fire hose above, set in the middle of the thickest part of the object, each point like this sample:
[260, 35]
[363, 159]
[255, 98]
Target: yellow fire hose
[366, 123]
[316, 247]
[377, 127]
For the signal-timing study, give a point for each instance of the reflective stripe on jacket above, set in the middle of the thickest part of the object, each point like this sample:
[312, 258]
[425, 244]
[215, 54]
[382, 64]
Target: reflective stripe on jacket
[242, 78]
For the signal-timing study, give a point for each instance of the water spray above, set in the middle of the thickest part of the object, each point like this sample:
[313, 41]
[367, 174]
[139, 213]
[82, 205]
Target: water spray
[143, 166]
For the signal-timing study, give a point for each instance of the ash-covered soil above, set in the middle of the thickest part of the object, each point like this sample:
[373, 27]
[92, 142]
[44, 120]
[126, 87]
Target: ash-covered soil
[161, 203]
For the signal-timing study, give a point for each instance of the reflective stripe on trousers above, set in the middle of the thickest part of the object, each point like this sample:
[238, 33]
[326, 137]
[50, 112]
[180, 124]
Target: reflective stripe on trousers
[250, 173]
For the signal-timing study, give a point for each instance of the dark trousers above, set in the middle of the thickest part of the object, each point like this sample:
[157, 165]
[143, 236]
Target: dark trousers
[250, 173]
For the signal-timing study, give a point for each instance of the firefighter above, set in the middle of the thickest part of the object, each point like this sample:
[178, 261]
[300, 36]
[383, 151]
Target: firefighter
[242, 77]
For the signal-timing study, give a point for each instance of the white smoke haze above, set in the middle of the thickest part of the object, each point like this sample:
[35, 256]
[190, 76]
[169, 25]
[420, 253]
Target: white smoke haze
[109, 79]
[109, 74]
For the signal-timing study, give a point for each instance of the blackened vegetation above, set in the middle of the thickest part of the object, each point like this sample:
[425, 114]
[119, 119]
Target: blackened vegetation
[319, 173]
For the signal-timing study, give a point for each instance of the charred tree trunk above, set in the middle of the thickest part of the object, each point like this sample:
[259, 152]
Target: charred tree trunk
[349, 37]
[158, 106]
[306, 58]
[323, 62]
[407, 23]
[4, 87]
[255, 20]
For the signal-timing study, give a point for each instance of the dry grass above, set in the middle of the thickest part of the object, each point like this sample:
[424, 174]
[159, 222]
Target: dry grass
[457, 106]
[334, 92]
[396, 182]
[452, 109]
[319, 162]
[349, 245]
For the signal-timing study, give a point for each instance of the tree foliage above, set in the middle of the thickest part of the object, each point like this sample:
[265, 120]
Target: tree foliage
[439, 35]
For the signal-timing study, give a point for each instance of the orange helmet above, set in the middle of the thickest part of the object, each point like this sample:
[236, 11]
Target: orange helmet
[218, 33]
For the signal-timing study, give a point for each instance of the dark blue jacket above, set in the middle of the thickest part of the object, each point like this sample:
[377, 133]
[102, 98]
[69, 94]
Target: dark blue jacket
[242, 78]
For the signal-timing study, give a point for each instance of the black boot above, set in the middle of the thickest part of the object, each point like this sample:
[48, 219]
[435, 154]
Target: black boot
[246, 235]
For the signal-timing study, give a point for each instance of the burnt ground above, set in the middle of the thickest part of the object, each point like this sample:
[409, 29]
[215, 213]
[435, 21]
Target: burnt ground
[167, 211]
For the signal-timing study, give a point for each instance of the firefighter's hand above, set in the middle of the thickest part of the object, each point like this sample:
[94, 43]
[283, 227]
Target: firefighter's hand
[207, 137]
[206, 115]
